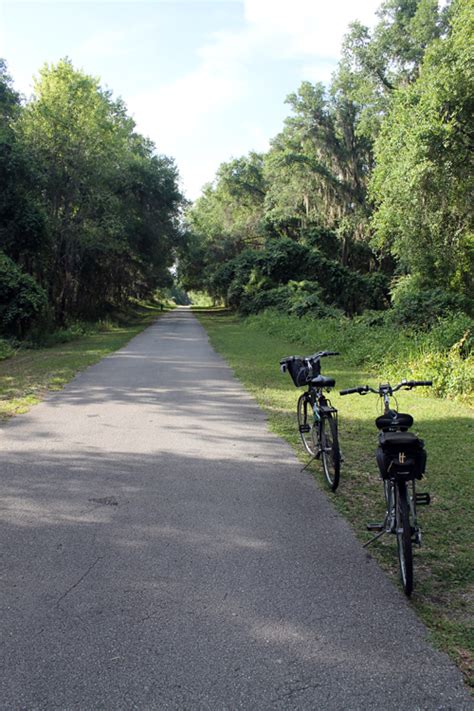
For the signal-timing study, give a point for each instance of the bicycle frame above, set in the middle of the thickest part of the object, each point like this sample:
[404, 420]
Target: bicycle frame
[316, 395]
[401, 458]
[317, 418]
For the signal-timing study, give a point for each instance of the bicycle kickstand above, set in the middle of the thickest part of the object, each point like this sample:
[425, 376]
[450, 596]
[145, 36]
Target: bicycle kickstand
[313, 459]
[379, 527]
[307, 464]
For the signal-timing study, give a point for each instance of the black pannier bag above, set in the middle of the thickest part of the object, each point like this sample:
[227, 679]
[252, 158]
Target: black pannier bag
[298, 370]
[401, 455]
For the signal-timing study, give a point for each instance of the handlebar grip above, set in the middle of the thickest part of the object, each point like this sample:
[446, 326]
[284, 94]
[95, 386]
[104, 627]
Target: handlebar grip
[349, 391]
[321, 354]
[412, 383]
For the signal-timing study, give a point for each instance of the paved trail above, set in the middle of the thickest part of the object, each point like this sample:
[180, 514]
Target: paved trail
[159, 549]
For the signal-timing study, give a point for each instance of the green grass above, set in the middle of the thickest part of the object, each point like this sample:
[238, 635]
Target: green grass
[444, 564]
[28, 374]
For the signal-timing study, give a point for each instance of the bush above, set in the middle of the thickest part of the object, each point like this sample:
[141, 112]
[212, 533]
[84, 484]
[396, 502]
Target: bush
[417, 305]
[44, 338]
[451, 370]
[178, 295]
[201, 299]
[278, 298]
[443, 354]
[6, 349]
[298, 298]
[284, 262]
[22, 301]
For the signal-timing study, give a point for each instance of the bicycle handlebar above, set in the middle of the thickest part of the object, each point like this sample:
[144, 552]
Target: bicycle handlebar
[308, 359]
[360, 389]
[386, 387]
[321, 354]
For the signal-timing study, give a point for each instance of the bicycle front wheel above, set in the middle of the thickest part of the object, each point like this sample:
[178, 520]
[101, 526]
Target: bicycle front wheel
[306, 424]
[330, 453]
[404, 543]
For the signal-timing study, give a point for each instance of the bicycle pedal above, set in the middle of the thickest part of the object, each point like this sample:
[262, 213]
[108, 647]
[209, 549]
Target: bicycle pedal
[375, 526]
[304, 429]
[422, 499]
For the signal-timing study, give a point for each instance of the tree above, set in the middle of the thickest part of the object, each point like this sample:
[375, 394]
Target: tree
[111, 205]
[22, 228]
[228, 218]
[317, 167]
[422, 183]
[388, 58]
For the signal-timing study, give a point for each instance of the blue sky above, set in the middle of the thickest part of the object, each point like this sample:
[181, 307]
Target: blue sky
[206, 81]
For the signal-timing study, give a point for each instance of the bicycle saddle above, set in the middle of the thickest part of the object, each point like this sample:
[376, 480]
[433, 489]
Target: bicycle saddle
[396, 421]
[320, 381]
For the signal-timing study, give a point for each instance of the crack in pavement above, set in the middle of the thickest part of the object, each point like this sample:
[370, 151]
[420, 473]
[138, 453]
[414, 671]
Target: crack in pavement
[79, 581]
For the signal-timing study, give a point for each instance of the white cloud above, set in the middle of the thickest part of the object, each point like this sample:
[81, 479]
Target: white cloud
[307, 27]
[178, 115]
[178, 109]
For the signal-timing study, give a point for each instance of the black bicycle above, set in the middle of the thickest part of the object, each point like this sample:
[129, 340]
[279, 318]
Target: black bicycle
[401, 458]
[317, 418]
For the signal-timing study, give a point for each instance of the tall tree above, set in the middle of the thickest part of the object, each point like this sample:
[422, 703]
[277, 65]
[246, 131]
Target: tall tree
[228, 218]
[106, 197]
[389, 57]
[317, 167]
[422, 183]
[22, 224]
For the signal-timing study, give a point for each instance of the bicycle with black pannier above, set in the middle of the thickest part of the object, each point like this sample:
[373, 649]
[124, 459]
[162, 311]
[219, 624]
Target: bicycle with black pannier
[401, 458]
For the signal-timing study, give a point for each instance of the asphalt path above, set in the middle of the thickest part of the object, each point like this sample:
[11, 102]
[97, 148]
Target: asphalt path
[160, 549]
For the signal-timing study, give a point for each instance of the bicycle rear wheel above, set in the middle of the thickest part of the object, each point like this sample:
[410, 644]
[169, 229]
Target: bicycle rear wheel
[404, 543]
[330, 453]
[306, 424]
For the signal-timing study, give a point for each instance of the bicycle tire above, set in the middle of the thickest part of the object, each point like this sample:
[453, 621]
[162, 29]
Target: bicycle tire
[330, 452]
[304, 413]
[404, 542]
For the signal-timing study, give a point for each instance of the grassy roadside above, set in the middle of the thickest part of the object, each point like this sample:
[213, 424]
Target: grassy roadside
[26, 376]
[443, 566]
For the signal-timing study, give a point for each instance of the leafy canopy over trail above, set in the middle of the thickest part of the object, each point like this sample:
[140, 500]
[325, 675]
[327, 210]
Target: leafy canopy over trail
[363, 199]
[89, 214]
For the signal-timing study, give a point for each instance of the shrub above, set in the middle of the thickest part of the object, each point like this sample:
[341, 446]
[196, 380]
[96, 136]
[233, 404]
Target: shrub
[22, 300]
[201, 299]
[298, 298]
[416, 305]
[283, 262]
[443, 354]
[6, 349]
[45, 338]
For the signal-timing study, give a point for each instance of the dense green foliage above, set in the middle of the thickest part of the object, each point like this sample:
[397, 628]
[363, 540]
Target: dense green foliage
[363, 201]
[423, 179]
[443, 354]
[88, 212]
[22, 300]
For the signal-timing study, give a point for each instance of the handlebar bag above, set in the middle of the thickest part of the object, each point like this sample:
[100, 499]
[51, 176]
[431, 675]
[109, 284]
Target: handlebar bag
[298, 370]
